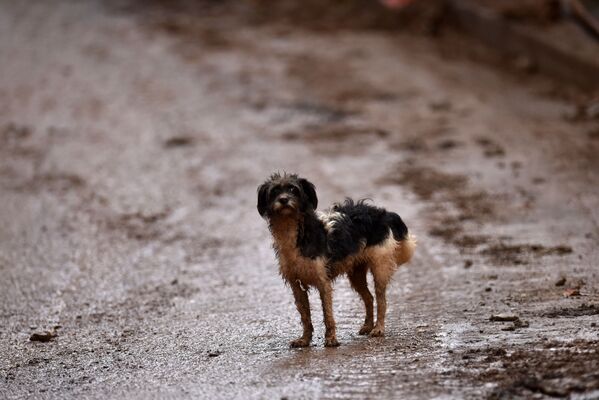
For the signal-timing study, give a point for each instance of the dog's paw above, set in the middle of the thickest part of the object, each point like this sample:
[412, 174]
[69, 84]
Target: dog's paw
[365, 329]
[331, 342]
[301, 342]
[377, 332]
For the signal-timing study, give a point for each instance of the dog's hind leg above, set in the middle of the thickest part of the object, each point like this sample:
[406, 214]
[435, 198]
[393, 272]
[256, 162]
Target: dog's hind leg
[382, 273]
[357, 278]
[303, 306]
[326, 296]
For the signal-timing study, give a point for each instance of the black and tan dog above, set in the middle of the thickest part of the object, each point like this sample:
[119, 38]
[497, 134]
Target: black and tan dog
[314, 248]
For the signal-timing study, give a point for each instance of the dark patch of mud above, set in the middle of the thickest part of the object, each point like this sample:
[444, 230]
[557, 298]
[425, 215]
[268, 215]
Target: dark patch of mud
[15, 144]
[506, 254]
[471, 241]
[428, 182]
[11, 132]
[323, 113]
[178, 141]
[553, 369]
[453, 201]
[139, 226]
[490, 147]
[333, 133]
[54, 182]
[573, 312]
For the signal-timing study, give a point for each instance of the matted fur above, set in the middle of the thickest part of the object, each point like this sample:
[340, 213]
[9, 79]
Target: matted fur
[348, 239]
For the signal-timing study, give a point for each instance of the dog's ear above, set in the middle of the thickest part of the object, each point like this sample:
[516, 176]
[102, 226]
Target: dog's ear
[310, 192]
[263, 199]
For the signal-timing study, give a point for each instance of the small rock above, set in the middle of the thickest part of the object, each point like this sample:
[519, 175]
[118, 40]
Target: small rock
[593, 324]
[488, 289]
[214, 353]
[504, 317]
[468, 263]
[178, 141]
[561, 282]
[42, 336]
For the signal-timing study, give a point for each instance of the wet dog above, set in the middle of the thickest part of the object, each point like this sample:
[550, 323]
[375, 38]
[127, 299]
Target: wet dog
[313, 249]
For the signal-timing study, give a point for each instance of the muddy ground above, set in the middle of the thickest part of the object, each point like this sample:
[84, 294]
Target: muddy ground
[132, 140]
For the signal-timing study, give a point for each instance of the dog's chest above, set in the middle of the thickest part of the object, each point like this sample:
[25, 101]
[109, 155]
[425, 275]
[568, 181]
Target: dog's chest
[294, 266]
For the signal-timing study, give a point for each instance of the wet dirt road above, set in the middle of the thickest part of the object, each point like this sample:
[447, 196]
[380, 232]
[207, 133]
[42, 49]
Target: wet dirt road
[131, 146]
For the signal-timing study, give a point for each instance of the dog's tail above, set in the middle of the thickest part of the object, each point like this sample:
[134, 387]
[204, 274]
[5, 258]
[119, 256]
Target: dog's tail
[406, 249]
[407, 242]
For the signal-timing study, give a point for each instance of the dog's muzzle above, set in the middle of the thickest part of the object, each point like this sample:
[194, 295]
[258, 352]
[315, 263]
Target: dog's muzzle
[284, 203]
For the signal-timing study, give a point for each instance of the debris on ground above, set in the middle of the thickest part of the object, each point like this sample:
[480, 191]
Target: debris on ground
[572, 292]
[45, 336]
[517, 324]
[178, 141]
[504, 317]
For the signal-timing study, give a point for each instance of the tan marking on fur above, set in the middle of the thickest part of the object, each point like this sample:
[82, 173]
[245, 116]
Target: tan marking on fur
[385, 258]
[292, 264]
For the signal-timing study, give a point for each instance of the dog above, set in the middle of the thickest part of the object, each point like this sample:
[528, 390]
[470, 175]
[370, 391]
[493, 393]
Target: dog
[313, 248]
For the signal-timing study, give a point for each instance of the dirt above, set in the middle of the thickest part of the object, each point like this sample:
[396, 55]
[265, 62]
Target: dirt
[582, 310]
[133, 136]
[42, 336]
[547, 368]
[518, 254]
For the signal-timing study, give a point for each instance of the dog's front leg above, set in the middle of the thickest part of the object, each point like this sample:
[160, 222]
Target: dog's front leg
[326, 296]
[303, 306]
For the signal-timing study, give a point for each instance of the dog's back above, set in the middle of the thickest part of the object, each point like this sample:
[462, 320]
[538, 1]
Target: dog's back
[356, 230]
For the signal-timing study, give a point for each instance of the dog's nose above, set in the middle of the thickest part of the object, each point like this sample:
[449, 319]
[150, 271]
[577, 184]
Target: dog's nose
[283, 200]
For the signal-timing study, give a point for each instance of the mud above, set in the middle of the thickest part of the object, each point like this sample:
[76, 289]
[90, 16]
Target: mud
[132, 139]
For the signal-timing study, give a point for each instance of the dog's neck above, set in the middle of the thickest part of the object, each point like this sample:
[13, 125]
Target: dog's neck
[290, 232]
[284, 230]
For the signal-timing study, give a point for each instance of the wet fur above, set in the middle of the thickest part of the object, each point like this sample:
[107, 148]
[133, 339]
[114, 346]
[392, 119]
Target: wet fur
[313, 249]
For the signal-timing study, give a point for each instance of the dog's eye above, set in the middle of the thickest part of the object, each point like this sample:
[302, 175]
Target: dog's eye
[294, 190]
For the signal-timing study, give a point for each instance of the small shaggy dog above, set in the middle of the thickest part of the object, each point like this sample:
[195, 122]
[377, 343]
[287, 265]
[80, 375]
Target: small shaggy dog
[314, 248]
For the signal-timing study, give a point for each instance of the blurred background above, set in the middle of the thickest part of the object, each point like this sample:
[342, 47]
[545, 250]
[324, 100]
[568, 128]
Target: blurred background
[133, 136]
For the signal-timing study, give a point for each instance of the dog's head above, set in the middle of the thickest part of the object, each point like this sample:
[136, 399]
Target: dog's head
[287, 195]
